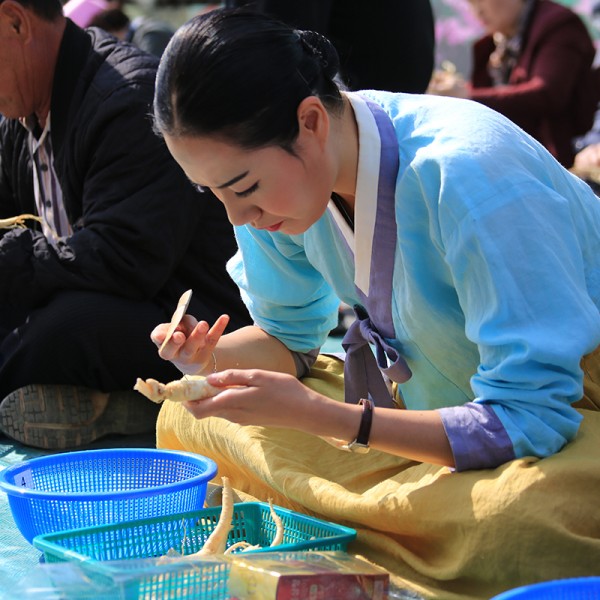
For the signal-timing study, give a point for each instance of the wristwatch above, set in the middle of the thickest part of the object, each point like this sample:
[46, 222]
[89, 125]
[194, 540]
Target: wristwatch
[361, 444]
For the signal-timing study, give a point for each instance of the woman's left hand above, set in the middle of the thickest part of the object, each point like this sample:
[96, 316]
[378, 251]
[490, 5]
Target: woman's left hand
[270, 399]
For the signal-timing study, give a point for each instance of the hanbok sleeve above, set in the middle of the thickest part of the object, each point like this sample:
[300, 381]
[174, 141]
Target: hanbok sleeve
[284, 293]
[523, 280]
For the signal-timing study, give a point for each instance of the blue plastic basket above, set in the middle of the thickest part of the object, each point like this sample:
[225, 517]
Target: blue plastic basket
[73, 490]
[187, 532]
[133, 555]
[579, 588]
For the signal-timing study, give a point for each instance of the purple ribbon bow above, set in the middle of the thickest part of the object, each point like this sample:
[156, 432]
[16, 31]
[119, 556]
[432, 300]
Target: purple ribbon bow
[362, 373]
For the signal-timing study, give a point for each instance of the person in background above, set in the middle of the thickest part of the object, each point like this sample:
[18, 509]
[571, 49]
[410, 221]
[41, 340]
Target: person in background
[534, 66]
[587, 146]
[587, 158]
[369, 38]
[472, 258]
[147, 33]
[588, 155]
[81, 12]
[116, 233]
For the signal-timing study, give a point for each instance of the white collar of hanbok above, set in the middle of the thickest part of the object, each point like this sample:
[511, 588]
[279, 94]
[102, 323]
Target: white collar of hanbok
[360, 241]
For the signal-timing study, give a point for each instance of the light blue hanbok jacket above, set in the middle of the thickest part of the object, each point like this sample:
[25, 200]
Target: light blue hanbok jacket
[492, 254]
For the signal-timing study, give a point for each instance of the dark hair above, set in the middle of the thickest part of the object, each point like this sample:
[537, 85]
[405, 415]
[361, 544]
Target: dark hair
[111, 20]
[46, 9]
[240, 75]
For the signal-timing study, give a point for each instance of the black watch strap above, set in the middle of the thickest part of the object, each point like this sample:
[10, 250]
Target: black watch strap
[361, 443]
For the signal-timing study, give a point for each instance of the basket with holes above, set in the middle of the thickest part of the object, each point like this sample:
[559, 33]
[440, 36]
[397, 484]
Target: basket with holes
[143, 557]
[73, 490]
[185, 534]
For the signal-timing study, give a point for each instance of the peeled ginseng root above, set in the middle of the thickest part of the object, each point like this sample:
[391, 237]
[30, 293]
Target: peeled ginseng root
[190, 387]
[216, 543]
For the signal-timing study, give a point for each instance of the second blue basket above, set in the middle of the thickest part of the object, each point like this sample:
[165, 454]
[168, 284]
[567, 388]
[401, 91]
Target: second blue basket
[186, 533]
[578, 588]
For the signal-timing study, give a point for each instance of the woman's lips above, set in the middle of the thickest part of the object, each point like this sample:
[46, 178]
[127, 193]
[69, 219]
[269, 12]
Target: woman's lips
[274, 227]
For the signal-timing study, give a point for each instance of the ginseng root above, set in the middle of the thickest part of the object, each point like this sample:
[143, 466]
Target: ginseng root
[18, 221]
[245, 546]
[190, 387]
[217, 540]
[216, 543]
[280, 530]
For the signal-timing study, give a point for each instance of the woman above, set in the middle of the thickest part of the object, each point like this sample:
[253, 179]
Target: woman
[534, 65]
[472, 258]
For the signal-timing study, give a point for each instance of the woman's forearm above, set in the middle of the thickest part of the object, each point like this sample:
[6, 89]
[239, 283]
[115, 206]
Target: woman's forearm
[414, 434]
[252, 348]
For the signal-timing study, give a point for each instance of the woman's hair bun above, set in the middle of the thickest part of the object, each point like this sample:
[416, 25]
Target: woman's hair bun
[322, 49]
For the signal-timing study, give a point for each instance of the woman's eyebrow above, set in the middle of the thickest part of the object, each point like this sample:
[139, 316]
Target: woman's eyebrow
[232, 181]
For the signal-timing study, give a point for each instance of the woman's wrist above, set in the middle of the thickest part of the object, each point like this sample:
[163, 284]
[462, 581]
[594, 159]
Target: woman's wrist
[210, 366]
[335, 419]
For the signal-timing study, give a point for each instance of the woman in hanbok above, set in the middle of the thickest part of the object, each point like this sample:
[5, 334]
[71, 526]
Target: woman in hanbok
[460, 436]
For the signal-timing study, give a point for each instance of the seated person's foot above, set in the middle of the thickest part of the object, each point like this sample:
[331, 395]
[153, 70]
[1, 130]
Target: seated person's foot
[55, 417]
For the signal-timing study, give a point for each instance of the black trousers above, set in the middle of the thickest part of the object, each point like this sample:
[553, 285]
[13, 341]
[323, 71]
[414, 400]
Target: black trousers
[384, 45]
[82, 338]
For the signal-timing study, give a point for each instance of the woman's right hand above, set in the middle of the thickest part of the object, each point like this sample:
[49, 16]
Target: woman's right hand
[192, 345]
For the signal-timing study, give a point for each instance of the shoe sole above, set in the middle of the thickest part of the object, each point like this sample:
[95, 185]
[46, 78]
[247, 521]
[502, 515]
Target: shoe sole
[24, 416]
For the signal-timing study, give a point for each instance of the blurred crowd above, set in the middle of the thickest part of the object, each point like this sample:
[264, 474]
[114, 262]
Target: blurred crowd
[535, 64]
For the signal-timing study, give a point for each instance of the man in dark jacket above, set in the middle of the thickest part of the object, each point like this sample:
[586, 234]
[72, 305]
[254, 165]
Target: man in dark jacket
[121, 232]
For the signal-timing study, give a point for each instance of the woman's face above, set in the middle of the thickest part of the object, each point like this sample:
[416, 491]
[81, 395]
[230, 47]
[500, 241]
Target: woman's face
[498, 15]
[267, 188]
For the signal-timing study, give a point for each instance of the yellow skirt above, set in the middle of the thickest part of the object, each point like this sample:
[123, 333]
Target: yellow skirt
[439, 533]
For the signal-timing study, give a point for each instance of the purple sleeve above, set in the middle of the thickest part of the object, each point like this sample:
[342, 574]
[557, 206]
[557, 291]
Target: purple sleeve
[477, 437]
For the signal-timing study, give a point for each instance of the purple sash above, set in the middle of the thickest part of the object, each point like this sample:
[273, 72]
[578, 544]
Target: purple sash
[362, 373]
